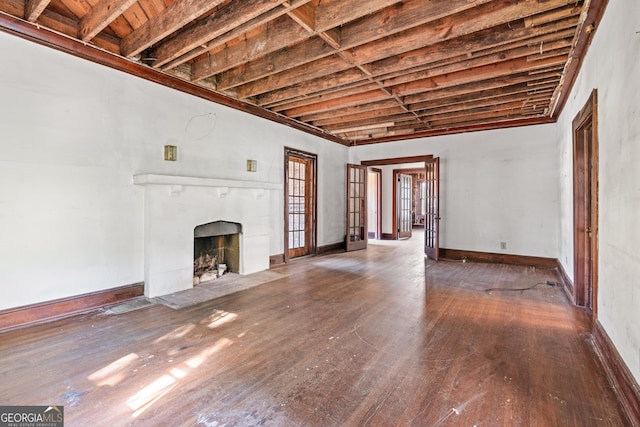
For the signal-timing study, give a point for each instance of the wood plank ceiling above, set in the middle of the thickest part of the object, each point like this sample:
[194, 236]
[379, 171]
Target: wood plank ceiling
[353, 71]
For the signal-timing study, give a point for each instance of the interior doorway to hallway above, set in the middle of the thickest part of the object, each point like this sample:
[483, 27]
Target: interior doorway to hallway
[374, 203]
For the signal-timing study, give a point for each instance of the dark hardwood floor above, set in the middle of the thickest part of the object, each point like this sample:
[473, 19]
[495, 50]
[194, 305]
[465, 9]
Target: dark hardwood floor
[379, 337]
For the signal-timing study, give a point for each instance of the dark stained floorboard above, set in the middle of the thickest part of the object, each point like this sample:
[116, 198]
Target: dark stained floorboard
[378, 337]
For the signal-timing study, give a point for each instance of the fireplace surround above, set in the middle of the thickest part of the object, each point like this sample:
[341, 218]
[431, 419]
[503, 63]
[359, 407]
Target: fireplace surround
[175, 205]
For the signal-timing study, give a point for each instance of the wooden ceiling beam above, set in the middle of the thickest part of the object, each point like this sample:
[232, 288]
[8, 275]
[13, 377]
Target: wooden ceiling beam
[333, 13]
[307, 52]
[378, 114]
[474, 119]
[497, 120]
[221, 21]
[327, 96]
[403, 63]
[487, 60]
[174, 17]
[446, 95]
[202, 30]
[430, 34]
[34, 8]
[488, 41]
[305, 17]
[511, 102]
[335, 82]
[470, 101]
[441, 15]
[485, 72]
[369, 126]
[556, 15]
[317, 69]
[253, 47]
[492, 14]
[371, 96]
[476, 86]
[355, 109]
[413, 13]
[339, 105]
[258, 46]
[100, 16]
[499, 105]
[62, 25]
[279, 61]
[550, 33]
[489, 95]
[477, 65]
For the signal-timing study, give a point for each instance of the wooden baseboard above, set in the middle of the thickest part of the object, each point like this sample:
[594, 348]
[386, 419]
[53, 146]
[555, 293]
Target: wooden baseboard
[33, 314]
[540, 262]
[276, 260]
[388, 236]
[621, 379]
[334, 247]
[567, 283]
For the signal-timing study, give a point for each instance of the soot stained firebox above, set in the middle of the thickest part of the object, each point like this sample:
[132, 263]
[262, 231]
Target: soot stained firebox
[215, 244]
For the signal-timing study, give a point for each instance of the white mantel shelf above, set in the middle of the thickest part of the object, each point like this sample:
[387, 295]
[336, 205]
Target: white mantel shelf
[156, 179]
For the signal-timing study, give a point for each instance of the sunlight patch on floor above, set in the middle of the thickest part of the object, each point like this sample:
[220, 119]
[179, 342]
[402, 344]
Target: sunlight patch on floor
[177, 333]
[113, 373]
[219, 318]
[152, 393]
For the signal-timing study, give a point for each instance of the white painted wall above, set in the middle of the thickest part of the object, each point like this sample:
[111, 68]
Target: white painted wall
[612, 65]
[496, 186]
[73, 134]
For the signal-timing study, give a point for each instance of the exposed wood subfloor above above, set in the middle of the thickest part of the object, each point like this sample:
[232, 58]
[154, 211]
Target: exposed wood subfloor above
[351, 71]
[344, 340]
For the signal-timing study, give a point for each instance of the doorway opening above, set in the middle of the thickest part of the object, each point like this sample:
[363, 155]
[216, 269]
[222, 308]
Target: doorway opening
[374, 203]
[408, 200]
[585, 205]
[300, 206]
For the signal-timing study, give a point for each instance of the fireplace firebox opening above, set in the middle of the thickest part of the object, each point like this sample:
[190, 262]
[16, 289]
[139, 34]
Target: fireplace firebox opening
[216, 250]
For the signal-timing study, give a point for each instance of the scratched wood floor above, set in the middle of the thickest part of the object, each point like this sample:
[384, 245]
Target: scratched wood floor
[373, 338]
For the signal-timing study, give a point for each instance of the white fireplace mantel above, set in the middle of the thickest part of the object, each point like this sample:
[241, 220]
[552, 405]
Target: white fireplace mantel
[157, 179]
[171, 216]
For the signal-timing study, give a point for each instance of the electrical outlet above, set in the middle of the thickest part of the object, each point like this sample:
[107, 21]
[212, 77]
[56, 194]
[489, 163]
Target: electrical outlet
[503, 245]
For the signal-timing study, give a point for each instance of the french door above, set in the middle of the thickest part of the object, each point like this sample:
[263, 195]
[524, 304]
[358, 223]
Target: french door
[300, 203]
[432, 208]
[404, 203]
[356, 207]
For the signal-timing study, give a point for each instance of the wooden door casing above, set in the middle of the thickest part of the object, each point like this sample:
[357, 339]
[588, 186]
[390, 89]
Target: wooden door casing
[585, 205]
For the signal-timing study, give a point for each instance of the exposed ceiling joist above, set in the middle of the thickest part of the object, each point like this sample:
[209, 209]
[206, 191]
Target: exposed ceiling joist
[353, 72]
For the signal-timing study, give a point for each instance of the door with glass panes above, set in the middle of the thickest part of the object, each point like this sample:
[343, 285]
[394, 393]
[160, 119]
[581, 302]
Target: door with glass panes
[299, 204]
[356, 207]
